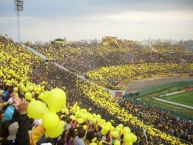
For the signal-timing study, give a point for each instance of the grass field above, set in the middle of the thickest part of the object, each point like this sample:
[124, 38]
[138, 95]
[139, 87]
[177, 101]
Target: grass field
[175, 110]
[184, 98]
[148, 94]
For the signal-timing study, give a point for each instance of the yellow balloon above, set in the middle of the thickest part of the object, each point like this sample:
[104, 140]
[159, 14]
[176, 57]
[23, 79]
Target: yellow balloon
[118, 128]
[117, 142]
[72, 117]
[109, 124]
[66, 111]
[105, 130]
[128, 143]
[93, 143]
[100, 142]
[42, 96]
[28, 96]
[78, 114]
[127, 138]
[30, 87]
[56, 99]
[46, 93]
[98, 116]
[85, 127]
[120, 125]
[115, 134]
[1, 92]
[112, 128]
[57, 131]
[80, 120]
[63, 110]
[38, 89]
[15, 89]
[133, 137]
[25, 89]
[126, 130]
[50, 120]
[36, 109]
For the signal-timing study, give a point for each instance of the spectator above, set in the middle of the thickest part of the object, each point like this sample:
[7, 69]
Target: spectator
[70, 137]
[25, 124]
[79, 140]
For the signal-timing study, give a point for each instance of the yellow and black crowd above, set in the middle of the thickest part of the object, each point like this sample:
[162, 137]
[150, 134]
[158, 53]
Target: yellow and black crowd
[92, 55]
[91, 115]
[133, 72]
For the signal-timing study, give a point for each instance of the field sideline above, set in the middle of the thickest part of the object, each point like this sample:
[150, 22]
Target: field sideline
[183, 98]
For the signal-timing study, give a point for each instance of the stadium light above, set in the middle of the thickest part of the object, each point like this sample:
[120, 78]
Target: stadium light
[18, 8]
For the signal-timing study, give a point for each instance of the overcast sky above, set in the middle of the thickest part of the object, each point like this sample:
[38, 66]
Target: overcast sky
[89, 19]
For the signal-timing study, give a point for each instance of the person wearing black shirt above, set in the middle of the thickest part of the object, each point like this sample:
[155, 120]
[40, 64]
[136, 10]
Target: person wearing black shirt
[25, 124]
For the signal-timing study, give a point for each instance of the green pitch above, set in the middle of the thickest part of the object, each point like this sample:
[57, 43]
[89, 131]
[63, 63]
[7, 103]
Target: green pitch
[184, 98]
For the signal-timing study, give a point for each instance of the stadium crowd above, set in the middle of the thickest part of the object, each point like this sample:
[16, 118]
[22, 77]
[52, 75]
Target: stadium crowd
[19, 70]
[86, 102]
[92, 55]
[162, 120]
[18, 129]
[138, 71]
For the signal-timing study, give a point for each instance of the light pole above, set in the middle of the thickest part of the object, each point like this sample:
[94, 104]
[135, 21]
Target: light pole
[18, 8]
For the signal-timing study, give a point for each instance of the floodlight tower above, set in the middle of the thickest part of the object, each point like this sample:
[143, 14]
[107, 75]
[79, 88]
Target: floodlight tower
[18, 8]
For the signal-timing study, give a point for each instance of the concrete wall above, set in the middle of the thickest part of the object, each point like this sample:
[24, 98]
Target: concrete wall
[117, 93]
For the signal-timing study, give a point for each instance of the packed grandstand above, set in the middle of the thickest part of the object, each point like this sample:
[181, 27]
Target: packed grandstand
[44, 103]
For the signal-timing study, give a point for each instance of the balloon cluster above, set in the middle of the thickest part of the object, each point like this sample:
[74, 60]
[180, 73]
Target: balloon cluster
[14, 71]
[29, 89]
[81, 115]
[54, 102]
